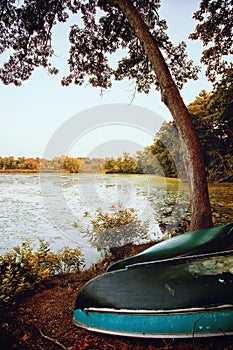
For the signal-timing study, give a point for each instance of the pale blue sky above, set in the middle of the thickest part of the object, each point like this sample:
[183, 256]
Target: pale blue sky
[30, 114]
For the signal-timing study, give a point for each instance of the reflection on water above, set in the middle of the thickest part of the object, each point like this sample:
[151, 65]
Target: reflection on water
[60, 209]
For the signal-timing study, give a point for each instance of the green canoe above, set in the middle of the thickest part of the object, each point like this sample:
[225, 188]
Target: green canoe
[196, 242]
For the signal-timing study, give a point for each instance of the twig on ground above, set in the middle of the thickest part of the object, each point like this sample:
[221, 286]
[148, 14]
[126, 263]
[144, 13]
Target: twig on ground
[51, 339]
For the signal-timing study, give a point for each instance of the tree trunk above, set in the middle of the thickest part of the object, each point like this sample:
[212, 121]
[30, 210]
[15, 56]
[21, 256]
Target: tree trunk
[200, 205]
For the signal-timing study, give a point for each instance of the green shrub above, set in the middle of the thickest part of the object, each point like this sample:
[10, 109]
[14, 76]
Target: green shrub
[22, 267]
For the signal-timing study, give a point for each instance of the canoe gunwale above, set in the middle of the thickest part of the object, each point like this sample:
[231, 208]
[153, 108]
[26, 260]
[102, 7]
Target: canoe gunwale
[159, 312]
[173, 261]
[184, 247]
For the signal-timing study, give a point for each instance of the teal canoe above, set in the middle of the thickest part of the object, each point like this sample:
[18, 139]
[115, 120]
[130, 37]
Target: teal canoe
[173, 298]
[195, 242]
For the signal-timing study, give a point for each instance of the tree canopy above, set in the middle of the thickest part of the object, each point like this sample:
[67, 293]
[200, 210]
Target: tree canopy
[215, 30]
[27, 34]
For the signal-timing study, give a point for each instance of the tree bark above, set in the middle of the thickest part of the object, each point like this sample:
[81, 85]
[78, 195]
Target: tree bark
[200, 205]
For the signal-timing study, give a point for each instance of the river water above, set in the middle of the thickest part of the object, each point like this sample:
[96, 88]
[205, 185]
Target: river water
[60, 208]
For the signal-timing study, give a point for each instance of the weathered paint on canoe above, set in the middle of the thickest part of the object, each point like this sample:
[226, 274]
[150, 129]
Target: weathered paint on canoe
[202, 322]
[197, 281]
[192, 292]
[196, 242]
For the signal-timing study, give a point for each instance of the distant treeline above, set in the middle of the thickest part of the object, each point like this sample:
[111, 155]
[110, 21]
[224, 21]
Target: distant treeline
[212, 115]
[10, 164]
[57, 164]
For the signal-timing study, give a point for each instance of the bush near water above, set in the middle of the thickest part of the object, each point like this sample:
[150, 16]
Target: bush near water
[22, 268]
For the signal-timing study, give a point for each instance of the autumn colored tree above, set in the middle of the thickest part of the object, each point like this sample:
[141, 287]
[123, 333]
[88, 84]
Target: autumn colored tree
[108, 25]
[122, 165]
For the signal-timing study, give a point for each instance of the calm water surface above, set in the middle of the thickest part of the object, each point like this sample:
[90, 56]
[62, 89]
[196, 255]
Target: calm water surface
[59, 209]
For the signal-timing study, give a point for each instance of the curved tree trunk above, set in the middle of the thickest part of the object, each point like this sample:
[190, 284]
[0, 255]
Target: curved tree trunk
[200, 206]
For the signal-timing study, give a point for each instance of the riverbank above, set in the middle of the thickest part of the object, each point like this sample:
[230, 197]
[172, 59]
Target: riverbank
[43, 319]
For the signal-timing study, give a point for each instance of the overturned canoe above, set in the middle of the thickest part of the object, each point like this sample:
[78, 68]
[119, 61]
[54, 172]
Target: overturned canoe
[195, 242]
[181, 297]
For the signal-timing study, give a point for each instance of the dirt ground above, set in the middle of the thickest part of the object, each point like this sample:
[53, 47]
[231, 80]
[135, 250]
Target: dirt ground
[42, 320]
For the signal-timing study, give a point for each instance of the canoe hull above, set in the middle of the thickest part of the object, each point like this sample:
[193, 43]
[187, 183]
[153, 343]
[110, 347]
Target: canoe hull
[185, 297]
[186, 323]
[189, 282]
